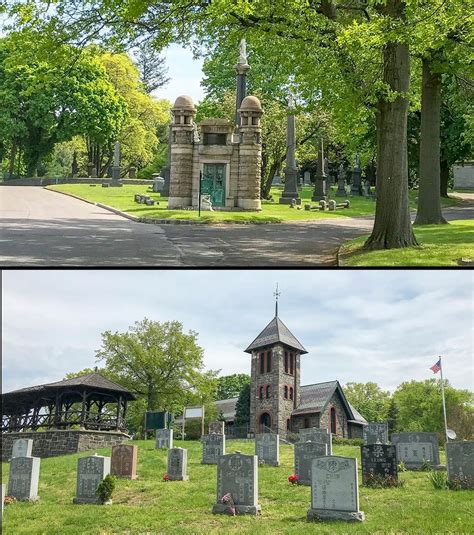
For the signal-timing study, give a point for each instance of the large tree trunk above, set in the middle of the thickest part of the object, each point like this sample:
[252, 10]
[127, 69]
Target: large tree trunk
[392, 226]
[444, 178]
[429, 200]
[267, 183]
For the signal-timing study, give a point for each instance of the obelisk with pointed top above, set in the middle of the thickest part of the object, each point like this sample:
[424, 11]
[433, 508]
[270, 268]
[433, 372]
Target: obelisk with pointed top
[241, 69]
[320, 192]
[116, 166]
[276, 294]
[291, 186]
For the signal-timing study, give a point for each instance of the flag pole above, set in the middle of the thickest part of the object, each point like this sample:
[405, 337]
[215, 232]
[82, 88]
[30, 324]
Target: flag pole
[444, 401]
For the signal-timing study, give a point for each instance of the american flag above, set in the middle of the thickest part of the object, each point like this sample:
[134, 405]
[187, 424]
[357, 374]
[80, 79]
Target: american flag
[436, 367]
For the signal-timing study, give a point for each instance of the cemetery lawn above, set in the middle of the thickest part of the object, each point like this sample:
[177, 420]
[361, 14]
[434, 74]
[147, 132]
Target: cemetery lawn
[272, 212]
[150, 505]
[441, 245]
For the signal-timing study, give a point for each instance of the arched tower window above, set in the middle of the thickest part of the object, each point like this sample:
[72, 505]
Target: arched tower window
[285, 392]
[261, 393]
[269, 361]
[265, 421]
[333, 420]
[268, 391]
[291, 392]
[262, 362]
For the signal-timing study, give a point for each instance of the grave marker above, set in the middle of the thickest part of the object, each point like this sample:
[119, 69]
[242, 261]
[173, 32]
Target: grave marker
[305, 453]
[22, 447]
[237, 475]
[460, 463]
[413, 449]
[164, 439]
[124, 461]
[315, 434]
[213, 446]
[216, 428]
[267, 448]
[24, 478]
[178, 464]
[334, 490]
[90, 472]
[375, 433]
[379, 461]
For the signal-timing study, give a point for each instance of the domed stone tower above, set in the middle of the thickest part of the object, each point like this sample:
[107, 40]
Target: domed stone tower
[182, 130]
[250, 153]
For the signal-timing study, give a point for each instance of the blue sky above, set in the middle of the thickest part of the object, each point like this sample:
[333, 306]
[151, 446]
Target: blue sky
[382, 326]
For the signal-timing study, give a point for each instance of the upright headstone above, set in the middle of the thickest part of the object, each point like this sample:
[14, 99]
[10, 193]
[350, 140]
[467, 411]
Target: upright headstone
[24, 478]
[356, 186]
[237, 475]
[22, 447]
[315, 434]
[379, 461]
[90, 472]
[213, 446]
[305, 453]
[307, 178]
[178, 464]
[413, 450]
[132, 172]
[375, 433]
[124, 461]
[164, 439]
[460, 463]
[216, 428]
[267, 448]
[334, 490]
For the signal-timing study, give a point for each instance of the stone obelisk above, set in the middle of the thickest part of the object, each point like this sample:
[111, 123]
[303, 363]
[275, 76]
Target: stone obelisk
[116, 166]
[291, 172]
[356, 186]
[241, 69]
[320, 193]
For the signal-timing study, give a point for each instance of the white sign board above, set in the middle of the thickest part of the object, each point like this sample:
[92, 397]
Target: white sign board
[193, 412]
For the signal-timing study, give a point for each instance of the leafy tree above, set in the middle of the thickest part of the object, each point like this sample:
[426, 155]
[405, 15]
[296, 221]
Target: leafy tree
[392, 416]
[229, 386]
[242, 408]
[369, 399]
[420, 408]
[159, 362]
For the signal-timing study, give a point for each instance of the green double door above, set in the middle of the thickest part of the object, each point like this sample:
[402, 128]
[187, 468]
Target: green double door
[213, 182]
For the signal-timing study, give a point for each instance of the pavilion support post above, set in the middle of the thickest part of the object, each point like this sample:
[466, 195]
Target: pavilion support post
[83, 409]
[57, 411]
[119, 404]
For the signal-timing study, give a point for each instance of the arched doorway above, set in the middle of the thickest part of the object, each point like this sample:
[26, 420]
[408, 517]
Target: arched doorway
[333, 420]
[265, 421]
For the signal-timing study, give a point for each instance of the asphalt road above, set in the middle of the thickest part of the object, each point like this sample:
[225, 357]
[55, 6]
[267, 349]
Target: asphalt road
[43, 228]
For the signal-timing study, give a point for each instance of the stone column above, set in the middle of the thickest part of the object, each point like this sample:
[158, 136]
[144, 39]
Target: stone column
[241, 69]
[291, 173]
[320, 186]
[165, 171]
[356, 187]
[116, 166]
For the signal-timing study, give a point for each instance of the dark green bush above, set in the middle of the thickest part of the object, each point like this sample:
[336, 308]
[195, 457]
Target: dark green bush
[106, 488]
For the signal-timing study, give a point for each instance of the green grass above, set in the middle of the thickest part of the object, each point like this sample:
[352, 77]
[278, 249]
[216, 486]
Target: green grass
[272, 212]
[441, 245]
[150, 505]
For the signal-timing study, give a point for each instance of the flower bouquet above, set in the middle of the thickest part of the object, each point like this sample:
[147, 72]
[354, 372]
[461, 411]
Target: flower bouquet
[293, 479]
[166, 477]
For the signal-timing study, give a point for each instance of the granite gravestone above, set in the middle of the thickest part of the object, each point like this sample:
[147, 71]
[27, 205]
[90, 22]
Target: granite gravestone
[216, 428]
[460, 463]
[413, 455]
[305, 452]
[267, 448]
[24, 478]
[315, 434]
[124, 461]
[375, 433]
[334, 490]
[90, 472]
[164, 439]
[213, 446]
[178, 464]
[379, 461]
[22, 447]
[237, 475]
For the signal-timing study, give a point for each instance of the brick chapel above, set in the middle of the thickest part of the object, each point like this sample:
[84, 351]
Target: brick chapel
[278, 401]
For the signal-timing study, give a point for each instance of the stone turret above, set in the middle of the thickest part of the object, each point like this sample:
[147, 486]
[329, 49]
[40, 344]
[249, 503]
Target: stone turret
[182, 146]
[248, 190]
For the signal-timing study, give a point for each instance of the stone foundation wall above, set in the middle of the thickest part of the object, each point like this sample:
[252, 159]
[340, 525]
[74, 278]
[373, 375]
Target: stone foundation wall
[57, 442]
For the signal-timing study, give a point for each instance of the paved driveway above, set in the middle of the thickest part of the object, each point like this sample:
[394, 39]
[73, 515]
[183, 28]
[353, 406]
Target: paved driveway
[43, 228]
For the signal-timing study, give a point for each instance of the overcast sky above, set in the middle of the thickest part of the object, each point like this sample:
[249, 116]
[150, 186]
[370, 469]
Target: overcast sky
[382, 326]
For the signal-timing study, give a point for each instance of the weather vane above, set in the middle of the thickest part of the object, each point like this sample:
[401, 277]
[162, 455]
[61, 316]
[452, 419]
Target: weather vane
[276, 294]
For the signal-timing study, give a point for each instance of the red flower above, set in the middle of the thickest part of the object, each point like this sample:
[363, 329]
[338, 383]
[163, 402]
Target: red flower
[293, 479]
[166, 477]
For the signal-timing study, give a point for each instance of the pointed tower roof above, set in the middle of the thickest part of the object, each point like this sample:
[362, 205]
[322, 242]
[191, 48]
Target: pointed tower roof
[276, 331]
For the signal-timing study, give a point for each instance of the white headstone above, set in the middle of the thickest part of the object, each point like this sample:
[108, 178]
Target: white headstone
[22, 447]
[178, 464]
[24, 478]
[334, 490]
[164, 439]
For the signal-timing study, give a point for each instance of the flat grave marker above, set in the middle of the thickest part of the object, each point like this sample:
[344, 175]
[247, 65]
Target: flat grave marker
[334, 490]
[24, 478]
